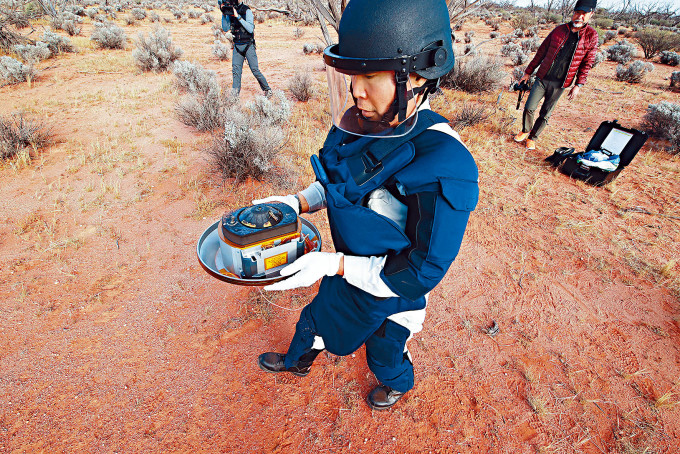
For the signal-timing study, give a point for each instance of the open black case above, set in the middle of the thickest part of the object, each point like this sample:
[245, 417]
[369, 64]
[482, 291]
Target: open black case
[610, 136]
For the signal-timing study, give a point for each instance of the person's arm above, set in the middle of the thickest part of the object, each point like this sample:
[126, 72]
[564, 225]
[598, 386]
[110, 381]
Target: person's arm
[248, 22]
[313, 198]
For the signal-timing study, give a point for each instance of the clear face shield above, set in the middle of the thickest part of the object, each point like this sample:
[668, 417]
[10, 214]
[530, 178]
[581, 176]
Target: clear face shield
[366, 104]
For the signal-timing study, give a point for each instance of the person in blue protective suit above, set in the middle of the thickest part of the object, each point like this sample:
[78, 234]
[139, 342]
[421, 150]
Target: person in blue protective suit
[398, 186]
[238, 18]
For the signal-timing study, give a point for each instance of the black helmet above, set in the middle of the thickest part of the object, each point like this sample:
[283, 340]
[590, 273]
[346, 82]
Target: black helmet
[394, 35]
[404, 36]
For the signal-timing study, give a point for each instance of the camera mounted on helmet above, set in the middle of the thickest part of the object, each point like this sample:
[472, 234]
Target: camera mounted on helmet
[410, 39]
[227, 7]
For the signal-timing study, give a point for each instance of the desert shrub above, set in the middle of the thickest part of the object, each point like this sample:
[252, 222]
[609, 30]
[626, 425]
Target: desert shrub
[156, 52]
[518, 58]
[609, 35]
[154, 17]
[207, 19]
[468, 36]
[634, 72]
[312, 48]
[193, 78]
[193, 14]
[475, 75]
[653, 41]
[510, 48]
[13, 71]
[206, 7]
[599, 58]
[517, 73]
[72, 27]
[469, 48]
[298, 33]
[108, 35]
[602, 22]
[675, 79]
[670, 58]
[494, 35]
[57, 43]
[470, 115]
[33, 53]
[522, 22]
[203, 111]
[131, 21]
[138, 13]
[91, 12]
[552, 18]
[300, 86]
[178, 13]
[663, 120]
[75, 9]
[273, 111]
[507, 39]
[17, 133]
[251, 139]
[621, 52]
[57, 23]
[530, 45]
[18, 19]
[221, 50]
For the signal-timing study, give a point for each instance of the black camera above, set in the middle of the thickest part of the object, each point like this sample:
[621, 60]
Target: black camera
[521, 86]
[228, 6]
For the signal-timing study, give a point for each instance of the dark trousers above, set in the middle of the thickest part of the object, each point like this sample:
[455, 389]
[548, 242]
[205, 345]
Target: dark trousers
[551, 90]
[240, 53]
[384, 351]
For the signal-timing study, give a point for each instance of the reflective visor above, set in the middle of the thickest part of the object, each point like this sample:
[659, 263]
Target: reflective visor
[364, 104]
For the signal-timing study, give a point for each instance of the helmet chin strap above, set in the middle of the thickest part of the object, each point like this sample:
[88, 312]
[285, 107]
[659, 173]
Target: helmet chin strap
[402, 96]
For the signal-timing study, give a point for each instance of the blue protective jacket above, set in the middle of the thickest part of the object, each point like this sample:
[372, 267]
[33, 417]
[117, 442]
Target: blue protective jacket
[435, 176]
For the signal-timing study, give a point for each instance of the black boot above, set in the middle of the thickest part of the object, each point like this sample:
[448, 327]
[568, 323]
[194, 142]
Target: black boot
[383, 397]
[275, 362]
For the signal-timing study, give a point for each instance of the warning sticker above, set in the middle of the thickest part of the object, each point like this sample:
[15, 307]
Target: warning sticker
[276, 260]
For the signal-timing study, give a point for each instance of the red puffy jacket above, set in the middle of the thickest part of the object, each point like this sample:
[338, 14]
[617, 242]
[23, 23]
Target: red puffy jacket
[581, 62]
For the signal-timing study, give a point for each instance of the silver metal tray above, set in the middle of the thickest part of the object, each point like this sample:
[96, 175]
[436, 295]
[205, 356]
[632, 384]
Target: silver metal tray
[208, 252]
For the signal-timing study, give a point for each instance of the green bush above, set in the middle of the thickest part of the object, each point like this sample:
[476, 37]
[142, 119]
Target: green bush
[602, 22]
[653, 41]
[523, 21]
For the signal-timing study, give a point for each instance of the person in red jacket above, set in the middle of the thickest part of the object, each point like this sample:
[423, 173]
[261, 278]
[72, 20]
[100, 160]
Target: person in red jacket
[566, 55]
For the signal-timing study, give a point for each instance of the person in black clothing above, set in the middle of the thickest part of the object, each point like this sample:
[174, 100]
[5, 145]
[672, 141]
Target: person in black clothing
[239, 20]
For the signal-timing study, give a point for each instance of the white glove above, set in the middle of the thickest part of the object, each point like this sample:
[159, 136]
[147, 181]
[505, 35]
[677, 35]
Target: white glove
[307, 270]
[289, 200]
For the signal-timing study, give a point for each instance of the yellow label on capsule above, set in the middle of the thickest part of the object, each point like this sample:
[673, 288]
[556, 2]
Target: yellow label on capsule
[276, 260]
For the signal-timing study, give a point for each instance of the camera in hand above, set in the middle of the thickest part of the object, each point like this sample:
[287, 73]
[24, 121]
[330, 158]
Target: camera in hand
[228, 6]
[521, 86]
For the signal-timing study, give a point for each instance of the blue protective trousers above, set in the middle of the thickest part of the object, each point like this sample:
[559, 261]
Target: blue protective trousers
[384, 350]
